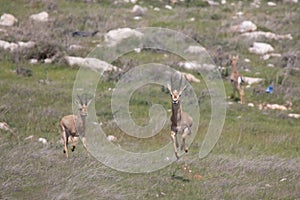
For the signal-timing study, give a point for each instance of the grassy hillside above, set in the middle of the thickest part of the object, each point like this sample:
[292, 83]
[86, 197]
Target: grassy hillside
[256, 157]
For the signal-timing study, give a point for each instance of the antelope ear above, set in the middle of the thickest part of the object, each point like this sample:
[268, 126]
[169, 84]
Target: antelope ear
[169, 88]
[88, 103]
[182, 90]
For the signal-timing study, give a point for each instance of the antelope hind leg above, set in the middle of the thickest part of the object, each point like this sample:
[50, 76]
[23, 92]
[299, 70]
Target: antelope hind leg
[65, 138]
[184, 135]
[174, 141]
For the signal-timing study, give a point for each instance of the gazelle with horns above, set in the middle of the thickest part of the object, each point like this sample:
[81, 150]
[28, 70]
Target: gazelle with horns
[236, 79]
[74, 126]
[181, 122]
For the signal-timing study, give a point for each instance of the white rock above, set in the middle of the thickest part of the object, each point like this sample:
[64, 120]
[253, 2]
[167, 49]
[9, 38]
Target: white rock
[268, 56]
[290, 1]
[42, 140]
[294, 115]
[92, 63]
[261, 48]
[247, 60]
[138, 10]
[28, 44]
[213, 3]
[192, 19]
[7, 20]
[190, 77]
[272, 4]
[112, 138]
[156, 9]
[250, 80]
[268, 35]
[33, 61]
[223, 2]
[195, 49]
[75, 47]
[40, 17]
[247, 26]
[113, 37]
[250, 104]
[48, 60]
[168, 7]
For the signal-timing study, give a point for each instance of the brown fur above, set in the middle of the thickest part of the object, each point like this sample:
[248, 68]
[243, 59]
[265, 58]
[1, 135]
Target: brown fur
[234, 79]
[181, 121]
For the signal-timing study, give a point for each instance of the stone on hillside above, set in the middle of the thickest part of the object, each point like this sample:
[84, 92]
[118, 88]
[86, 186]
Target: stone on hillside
[7, 20]
[195, 49]
[138, 10]
[261, 48]
[190, 77]
[246, 26]
[250, 80]
[92, 63]
[113, 37]
[272, 4]
[40, 17]
[268, 35]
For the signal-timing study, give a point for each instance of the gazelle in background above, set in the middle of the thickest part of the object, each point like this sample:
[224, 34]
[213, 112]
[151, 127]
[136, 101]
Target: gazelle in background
[236, 79]
[74, 126]
[181, 122]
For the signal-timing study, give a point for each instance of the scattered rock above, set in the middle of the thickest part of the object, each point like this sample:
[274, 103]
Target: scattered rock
[7, 20]
[138, 10]
[272, 4]
[245, 26]
[113, 37]
[195, 49]
[156, 9]
[33, 61]
[261, 48]
[212, 3]
[290, 1]
[42, 140]
[92, 63]
[40, 17]
[190, 77]
[250, 104]
[168, 7]
[268, 56]
[294, 115]
[14, 46]
[268, 35]
[250, 80]
[111, 138]
[74, 47]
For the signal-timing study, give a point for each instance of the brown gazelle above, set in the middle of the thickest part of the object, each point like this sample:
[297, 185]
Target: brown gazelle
[236, 79]
[181, 122]
[75, 126]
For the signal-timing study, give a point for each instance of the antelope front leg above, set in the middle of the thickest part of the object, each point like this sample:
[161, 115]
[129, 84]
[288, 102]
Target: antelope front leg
[174, 141]
[65, 138]
[73, 143]
[241, 94]
[184, 135]
[85, 145]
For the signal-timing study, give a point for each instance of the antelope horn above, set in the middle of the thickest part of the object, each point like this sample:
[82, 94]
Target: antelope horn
[80, 100]
[86, 100]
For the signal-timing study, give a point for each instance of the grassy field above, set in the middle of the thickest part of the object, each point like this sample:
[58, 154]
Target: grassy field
[256, 157]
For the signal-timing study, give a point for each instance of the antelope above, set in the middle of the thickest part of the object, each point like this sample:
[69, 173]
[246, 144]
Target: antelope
[181, 122]
[236, 79]
[73, 126]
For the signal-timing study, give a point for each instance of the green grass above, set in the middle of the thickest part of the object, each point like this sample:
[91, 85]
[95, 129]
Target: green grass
[256, 157]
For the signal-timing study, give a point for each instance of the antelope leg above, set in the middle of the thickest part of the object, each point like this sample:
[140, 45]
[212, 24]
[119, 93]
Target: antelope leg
[184, 135]
[174, 139]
